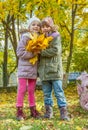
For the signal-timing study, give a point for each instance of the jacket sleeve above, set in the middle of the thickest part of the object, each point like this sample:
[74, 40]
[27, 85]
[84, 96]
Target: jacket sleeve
[21, 51]
[54, 48]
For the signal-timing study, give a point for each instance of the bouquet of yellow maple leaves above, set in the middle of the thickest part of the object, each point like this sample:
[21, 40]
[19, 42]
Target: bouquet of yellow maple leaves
[36, 44]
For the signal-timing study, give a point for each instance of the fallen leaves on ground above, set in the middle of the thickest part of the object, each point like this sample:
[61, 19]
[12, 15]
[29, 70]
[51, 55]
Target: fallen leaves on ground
[79, 117]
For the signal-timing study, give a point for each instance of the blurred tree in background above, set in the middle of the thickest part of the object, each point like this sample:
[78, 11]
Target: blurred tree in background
[71, 17]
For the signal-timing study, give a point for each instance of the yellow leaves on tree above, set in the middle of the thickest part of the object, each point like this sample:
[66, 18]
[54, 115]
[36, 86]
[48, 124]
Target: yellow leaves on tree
[37, 44]
[10, 7]
[2, 13]
[59, 1]
[29, 7]
[13, 7]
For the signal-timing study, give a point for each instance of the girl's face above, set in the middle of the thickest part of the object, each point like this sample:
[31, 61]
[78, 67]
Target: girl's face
[34, 27]
[45, 29]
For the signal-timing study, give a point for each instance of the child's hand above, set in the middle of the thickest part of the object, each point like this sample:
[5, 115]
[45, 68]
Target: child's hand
[37, 52]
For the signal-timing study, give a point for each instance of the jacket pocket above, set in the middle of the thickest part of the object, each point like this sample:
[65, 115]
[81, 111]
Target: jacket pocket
[51, 68]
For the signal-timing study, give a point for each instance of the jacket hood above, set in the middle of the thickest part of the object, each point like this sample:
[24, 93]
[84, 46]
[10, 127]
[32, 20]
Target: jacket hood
[54, 34]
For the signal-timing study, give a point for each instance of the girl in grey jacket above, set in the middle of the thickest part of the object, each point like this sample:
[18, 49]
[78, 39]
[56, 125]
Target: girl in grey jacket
[50, 71]
[27, 72]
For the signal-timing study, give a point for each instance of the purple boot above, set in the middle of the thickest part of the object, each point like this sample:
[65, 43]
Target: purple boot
[20, 115]
[34, 112]
[48, 112]
[64, 114]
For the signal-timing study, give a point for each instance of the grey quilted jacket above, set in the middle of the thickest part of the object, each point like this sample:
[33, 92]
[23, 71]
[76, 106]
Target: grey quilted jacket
[25, 68]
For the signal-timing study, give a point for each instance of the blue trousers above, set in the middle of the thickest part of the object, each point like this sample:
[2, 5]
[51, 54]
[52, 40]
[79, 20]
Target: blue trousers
[56, 85]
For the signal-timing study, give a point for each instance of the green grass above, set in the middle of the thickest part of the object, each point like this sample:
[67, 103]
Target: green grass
[79, 117]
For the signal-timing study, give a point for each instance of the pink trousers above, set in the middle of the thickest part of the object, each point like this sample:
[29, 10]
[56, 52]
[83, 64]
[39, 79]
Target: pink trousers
[26, 85]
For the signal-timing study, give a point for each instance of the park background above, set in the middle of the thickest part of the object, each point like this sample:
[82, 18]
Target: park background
[72, 18]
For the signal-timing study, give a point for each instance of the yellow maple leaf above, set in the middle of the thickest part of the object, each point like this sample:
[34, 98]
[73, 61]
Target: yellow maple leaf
[28, 47]
[36, 44]
[34, 60]
[41, 38]
[45, 44]
[50, 38]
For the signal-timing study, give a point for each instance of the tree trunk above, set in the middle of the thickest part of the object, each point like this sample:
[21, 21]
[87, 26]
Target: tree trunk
[72, 38]
[14, 41]
[5, 56]
[74, 7]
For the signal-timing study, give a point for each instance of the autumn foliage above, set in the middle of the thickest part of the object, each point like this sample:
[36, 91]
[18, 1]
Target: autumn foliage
[37, 44]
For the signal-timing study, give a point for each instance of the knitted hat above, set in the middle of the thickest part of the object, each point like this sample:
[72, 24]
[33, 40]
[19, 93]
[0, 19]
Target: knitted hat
[32, 20]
